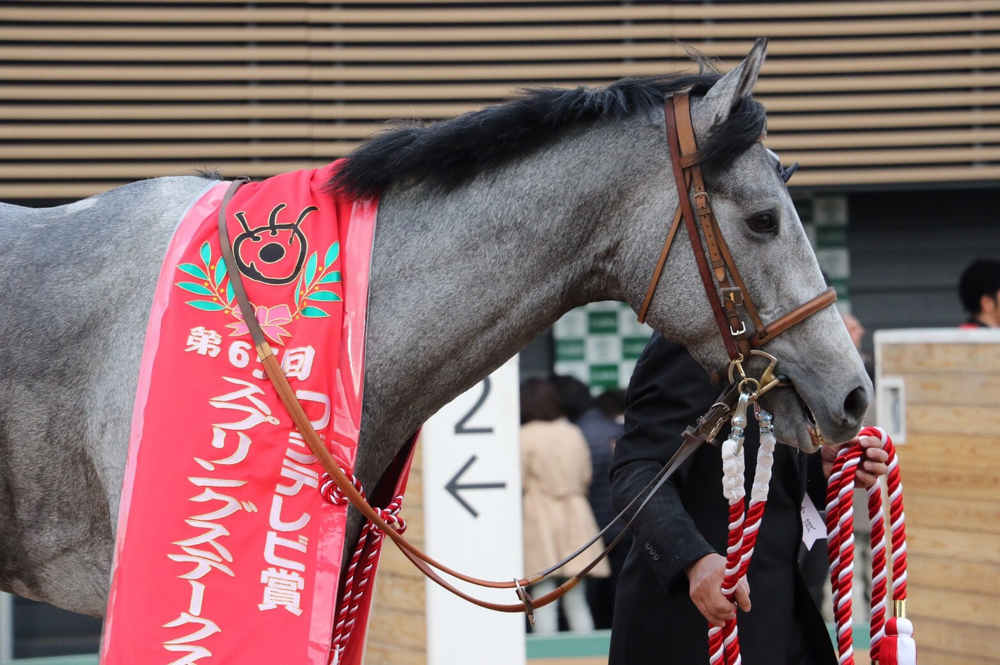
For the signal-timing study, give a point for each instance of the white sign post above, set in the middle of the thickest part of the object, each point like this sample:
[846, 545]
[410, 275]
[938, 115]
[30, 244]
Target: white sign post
[472, 509]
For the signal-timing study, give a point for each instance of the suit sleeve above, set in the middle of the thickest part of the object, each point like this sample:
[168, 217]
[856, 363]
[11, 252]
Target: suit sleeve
[668, 392]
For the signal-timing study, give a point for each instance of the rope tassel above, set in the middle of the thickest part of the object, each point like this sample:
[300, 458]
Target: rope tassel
[723, 643]
[891, 641]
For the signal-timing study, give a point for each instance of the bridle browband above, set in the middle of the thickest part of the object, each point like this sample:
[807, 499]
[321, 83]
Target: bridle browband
[739, 346]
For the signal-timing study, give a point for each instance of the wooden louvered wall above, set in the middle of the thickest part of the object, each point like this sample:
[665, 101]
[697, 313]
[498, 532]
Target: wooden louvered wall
[94, 94]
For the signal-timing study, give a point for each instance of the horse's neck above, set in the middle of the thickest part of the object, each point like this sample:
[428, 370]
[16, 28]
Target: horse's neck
[463, 281]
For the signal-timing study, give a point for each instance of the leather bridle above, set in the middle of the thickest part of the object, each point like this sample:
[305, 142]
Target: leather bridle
[718, 268]
[726, 301]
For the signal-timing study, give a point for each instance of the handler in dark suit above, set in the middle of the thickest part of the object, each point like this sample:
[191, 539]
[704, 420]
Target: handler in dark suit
[671, 581]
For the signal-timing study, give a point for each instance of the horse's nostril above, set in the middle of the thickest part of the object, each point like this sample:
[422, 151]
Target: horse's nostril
[856, 404]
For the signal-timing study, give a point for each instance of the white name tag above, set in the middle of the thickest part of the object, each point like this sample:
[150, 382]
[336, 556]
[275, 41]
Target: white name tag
[813, 526]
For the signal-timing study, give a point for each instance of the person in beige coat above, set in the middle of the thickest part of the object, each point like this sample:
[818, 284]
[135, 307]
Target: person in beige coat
[555, 476]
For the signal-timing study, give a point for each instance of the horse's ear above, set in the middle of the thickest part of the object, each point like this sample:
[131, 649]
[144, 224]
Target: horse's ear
[736, 84]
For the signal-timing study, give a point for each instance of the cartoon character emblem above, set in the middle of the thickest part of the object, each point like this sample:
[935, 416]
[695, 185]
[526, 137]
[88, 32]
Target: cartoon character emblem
[272, 254]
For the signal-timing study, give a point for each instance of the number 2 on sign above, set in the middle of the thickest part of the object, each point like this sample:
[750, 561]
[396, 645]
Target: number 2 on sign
[460, 426]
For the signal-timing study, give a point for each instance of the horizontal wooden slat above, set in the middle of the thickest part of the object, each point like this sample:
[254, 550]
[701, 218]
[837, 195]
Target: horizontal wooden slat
[382, 650]
[232, 91]
[523, 33]
[427, 111]
[777, 141]
[955, 452]
[922, 155]
[310, 80]
[215, 150]
[904, 118]
[954, 419]
[670, 56]
[176, 150]
[957, 545]
[305, 130]
[937, 572]
[319, 135]
[958, 637]
[937, 481]
[521, 52]
[970, 389]
[941, 358]
[129, 171]
[942, 657]
[953, 513]
[669, 11]
[526, 72]
[978, 609]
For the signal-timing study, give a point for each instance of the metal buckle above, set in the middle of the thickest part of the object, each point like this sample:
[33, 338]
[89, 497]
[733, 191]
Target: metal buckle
[525, 597]
[741, 331]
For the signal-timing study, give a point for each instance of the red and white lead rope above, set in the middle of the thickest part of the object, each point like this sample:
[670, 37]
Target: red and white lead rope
[371, 540]
[723, 643]
[891, 641]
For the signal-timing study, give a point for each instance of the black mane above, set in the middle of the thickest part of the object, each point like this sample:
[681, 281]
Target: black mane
[448, 154]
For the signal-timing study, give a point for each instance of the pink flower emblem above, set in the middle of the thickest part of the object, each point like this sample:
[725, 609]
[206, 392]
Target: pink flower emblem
[270, 319]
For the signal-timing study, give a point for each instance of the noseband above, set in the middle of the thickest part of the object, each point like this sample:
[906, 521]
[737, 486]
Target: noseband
[723, 283]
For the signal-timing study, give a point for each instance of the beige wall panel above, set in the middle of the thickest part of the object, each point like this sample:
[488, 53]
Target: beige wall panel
[958, 545]
[955, 389]
[382, 653]
[933, 481]
[948, 574]
[505, 15]
[953, 513]
[949, 465]
[549, 33]
[939, 657]
[406, 54]
[973, 609]
[950, 419]
[941, 358]
[956, 637]
[313, 80]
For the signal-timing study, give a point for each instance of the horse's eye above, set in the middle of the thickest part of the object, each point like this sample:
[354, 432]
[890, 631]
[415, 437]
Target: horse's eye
[764, 222]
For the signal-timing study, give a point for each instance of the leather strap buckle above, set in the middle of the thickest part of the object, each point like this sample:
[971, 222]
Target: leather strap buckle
[740, 332]
[525, 597]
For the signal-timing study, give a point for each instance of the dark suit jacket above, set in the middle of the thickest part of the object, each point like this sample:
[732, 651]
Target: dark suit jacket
[655, 620]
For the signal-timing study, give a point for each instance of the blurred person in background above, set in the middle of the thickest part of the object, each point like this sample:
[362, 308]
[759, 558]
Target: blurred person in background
[979, 289]
[671, 584]
[598, 419]
[857, 333]
[555, 477]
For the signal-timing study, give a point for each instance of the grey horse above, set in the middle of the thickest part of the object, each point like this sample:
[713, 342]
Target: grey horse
[491, 226]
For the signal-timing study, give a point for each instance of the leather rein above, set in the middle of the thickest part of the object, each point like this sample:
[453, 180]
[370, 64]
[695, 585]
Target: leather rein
[739, 345]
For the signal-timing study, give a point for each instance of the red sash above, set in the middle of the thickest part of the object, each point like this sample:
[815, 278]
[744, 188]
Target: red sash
[226, 551]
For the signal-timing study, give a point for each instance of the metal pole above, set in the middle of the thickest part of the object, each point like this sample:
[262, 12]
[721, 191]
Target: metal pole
[6, 627]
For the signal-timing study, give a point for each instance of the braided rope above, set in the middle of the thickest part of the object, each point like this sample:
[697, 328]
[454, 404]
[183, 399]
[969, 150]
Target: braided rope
[369, 545]
[723, 643]
[840, 544]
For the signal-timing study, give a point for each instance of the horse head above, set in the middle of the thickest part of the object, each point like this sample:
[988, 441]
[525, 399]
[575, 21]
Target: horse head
[827, 391]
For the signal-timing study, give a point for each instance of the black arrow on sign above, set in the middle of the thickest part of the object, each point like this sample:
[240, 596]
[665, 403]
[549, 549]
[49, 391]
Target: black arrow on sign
[453, 487]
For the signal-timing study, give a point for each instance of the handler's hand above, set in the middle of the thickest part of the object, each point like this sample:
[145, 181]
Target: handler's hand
[705, 577]
[873, 463]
